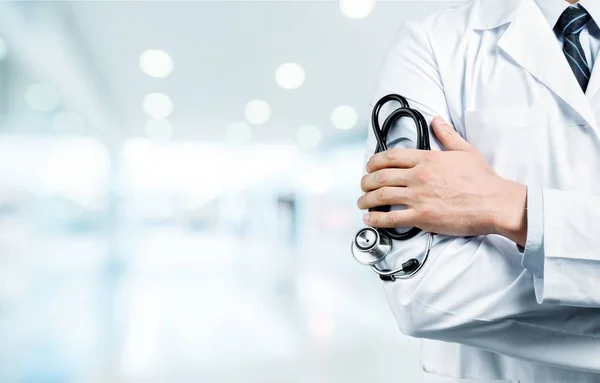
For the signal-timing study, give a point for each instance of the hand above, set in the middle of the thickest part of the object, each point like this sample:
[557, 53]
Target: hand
[453, 192]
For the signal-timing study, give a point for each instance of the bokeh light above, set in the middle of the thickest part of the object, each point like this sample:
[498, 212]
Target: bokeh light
[157, 105]
[356, 9]
[344, 117]
[290, 75]
[257, 112]
[156, 63]
[41, 97]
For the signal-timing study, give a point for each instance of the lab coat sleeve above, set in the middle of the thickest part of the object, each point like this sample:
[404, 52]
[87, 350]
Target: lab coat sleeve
[474, 290]
[533, 254]
[570, 251]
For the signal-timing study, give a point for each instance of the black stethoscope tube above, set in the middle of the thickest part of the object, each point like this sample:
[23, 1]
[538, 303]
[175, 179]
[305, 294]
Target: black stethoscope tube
[381, 134]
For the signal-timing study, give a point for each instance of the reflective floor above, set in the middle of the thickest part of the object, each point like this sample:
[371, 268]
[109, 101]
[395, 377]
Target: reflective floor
[166, 291]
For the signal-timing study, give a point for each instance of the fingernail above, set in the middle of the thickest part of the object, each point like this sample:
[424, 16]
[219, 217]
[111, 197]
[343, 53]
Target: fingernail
[439, 120]
[366, 218]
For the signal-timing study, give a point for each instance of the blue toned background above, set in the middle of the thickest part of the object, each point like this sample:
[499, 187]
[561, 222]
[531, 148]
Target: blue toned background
[176, 205]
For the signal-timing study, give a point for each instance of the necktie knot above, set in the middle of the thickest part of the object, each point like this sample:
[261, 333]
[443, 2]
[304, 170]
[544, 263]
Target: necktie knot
[573, 20]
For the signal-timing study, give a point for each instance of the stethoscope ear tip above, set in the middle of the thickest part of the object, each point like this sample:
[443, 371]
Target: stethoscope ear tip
[387, 278]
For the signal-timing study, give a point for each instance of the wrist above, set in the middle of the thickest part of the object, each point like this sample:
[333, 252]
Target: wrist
[510, 218]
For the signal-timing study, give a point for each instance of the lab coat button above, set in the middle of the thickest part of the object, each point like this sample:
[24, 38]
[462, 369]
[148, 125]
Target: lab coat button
[585, 127]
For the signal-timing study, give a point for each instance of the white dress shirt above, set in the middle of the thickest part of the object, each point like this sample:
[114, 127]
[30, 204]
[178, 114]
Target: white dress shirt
[533, 253]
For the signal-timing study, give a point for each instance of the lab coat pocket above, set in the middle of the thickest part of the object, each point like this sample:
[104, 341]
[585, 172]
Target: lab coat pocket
[514, 141]
[429, 377]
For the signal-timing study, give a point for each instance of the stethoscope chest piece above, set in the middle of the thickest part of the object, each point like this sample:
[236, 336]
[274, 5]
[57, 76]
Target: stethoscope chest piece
[370, 247]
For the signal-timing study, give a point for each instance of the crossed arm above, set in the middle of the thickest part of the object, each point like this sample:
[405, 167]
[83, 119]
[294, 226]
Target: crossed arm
[453, 192]
[473, 290]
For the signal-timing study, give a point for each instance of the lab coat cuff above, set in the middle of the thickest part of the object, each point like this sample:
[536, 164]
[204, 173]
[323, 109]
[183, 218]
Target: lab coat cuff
[533, 253]
[538, 285]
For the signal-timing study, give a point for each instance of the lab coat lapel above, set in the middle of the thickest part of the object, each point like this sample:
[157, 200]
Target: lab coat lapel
[530, 42]
[593, 7]
[594, 84]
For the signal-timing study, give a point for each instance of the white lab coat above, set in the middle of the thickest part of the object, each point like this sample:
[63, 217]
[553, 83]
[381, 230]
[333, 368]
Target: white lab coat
[493, 69]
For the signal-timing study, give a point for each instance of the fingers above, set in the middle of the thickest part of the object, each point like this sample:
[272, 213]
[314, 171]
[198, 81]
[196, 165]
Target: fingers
[392, 219]
[395, 158]
[385, 177]
[448, 137]
[384, 196]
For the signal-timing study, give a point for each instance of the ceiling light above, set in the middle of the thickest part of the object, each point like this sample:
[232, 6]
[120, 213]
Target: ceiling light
[3, 49]
[157, 105]
[159, 130]
[309, 137]
[156, 63]
[41, 97]
[344, 117]
[68, 122]
[257, 112]
[238, 132]
[357, 9]
[290, 76]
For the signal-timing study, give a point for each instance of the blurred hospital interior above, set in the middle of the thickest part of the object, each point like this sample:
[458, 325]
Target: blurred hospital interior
[178, 185]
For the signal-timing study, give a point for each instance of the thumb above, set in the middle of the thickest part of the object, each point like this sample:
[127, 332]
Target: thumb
[449, 138]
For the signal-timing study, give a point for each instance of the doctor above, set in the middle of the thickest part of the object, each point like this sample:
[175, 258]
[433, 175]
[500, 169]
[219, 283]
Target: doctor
[511, 292]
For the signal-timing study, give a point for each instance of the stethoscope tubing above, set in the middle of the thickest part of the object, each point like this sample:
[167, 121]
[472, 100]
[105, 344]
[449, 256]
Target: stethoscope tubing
[373, 256]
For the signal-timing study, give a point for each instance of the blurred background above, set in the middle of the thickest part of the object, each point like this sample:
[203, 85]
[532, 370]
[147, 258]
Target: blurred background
[177, 192]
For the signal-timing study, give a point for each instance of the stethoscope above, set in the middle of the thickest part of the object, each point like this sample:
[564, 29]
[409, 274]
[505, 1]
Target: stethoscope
[371, 246]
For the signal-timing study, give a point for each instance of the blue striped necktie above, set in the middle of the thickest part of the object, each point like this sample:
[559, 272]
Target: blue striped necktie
[570, 24]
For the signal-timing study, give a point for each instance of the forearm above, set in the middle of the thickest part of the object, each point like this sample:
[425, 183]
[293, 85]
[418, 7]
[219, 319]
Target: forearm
[510, 218]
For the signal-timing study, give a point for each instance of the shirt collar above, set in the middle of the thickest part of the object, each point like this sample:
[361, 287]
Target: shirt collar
[552, 9]
[593, 7]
